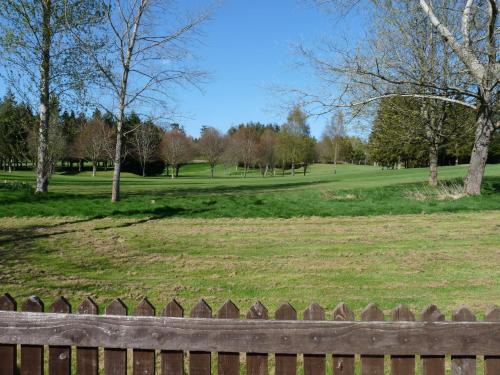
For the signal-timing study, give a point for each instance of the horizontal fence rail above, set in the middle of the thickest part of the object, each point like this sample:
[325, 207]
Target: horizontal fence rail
[171, 335]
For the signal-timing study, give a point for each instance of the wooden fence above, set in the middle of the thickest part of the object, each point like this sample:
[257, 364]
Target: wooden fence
[170, 337]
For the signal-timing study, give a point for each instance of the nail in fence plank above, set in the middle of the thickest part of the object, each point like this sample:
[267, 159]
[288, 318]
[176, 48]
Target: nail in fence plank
[172, 362]
[200, 362]
[144, 360]
[32, 355]
[60, 356]
[228, 363]
[372, 364]
[466, 364]
[8, 353]
[403, 364]
[257, 362]
[492, 363]
[87, 359]
[432, 364]
[115, 360]
[286, 364]
[343, 364]
[314, 364]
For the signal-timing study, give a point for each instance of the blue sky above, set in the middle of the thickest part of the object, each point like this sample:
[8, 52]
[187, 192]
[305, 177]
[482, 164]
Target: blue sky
[248, 48]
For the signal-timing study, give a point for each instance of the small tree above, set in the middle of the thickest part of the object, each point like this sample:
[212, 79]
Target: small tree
[176, 149]
[146, 141]
[212, 146]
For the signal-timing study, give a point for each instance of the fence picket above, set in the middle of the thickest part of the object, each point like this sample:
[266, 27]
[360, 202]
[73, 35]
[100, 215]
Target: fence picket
[8, 353]
[60, 356]
[286, 364]
[432, 364]
[343, 364]
[144, 360]
[257, 362]
[372, 364]
[463, 365]
[228, 363]
[200, 362]
[32, 355]
[115, 360]
[172, 362]
[87, 359]
[492, 363]
[314, 364]
[402, 364]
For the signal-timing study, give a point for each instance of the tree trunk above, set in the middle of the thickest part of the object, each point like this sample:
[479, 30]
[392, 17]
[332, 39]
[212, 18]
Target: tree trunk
[144, 170]
[211, 171]
[433, 165]
[305, 169]
[94, 167]
[173, 171]
[484, 131]
[42, 168]
[293, 168]
[177, 167]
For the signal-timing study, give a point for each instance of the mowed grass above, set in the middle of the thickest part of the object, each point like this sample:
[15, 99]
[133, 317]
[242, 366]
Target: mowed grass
[353, 191]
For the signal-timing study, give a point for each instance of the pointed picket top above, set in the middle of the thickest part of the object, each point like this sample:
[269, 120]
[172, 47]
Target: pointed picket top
[116, 307]
[463, 314]
[372, 313]
[228, 311]
[173, 309]
[32, 304]
[314, 312]
[60, 305]
[257, 311]
[492, 314]
[432, 314]
[285, 312]
[343, 312]
[8, 303]
[144, 308]
[201, 310]
[88, 306]
[402, 313]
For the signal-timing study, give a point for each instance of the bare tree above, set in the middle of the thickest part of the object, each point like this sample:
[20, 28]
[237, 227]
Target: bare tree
[332, 138]
[243, 146]
[466, 71]
[266, 151]
[212, 145]
[177, 149]
[146, 56]
[146, 140]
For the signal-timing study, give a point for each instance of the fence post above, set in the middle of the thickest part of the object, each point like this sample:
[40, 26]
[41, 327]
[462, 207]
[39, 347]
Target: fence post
[257, 362]
[343, 364]
[200, 362]
[228, 363]
[8, 353]
[115, 360]
[314, 364]
[372, 364]
[87, 359]
[60, 356]
[402, 364]
[32, 355]
[172, 362]
[432, 364]
[463, 365]
[144, 360]
[286, 364]
[492, 363]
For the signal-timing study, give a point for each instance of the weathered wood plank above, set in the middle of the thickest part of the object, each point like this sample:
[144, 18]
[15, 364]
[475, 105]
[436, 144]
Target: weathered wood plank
[463, 364]
[172, 362]
[402, 364]
[492, 363]
[8, 353]
[60, 356]
[115, 359]
[372, 364]
[144, 359]
[87, 359]
[32, 355]
[257, 359]
[314, 364]
[432, 364]
[286, 364]
[372, 338]
[200, 362]
[343, 364]
[228, 363]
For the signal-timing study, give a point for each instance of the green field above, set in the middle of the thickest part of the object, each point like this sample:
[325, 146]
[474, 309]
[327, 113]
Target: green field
[359, 236]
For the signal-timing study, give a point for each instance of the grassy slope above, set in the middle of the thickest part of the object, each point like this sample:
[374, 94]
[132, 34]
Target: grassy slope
[355, 190]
